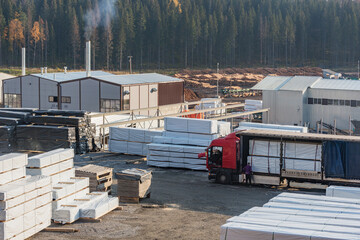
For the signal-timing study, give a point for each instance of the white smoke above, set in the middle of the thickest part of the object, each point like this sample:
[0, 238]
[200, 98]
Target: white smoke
[100, 15]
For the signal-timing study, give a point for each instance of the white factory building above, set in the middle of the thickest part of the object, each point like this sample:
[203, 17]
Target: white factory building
[97, 92]
[306, 100]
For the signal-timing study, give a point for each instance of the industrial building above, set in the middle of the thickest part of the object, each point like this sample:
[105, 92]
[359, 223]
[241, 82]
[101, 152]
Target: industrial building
[93, 91]
[306, 100]
[3, 76]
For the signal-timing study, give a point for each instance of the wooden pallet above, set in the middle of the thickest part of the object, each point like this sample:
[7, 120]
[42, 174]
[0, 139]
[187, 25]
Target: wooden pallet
[123, 199]
[100, 178]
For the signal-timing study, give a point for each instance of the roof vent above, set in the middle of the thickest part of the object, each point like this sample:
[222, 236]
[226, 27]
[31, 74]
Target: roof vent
[42, 71]
[45, 68]
[65, 69]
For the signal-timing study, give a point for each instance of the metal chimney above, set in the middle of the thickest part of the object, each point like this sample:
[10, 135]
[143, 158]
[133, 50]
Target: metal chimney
[42, 70]
[23, 52]
[88, 58]
[45, 70]
[65, 70]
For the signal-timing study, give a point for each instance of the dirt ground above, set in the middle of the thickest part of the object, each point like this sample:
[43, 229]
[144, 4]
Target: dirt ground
[191, 207]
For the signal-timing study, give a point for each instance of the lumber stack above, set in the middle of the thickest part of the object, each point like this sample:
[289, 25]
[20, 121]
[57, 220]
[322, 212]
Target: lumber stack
[343, 191]
[25, 201]
[182, 141]
[297, 216]
[131, 140]
[264, 156]
[70, 194]
[133, 184]
[7, 141]
[100, 178]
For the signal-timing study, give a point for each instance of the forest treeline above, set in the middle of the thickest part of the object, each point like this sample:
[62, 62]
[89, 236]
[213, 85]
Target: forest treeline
[180, 33]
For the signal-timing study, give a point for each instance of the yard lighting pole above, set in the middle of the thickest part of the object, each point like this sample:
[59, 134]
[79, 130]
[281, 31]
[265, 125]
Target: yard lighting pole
[217, 82]
[358, 69]
[130, 58]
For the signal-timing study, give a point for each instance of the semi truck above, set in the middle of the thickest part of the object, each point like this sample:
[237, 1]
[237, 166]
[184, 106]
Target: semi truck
[279, 156]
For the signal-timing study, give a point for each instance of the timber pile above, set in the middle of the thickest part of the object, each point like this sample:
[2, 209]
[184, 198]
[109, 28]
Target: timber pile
[100, 178]
[133, 184]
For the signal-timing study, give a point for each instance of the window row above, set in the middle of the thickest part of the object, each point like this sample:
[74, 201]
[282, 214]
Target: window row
[12, 100]
[336, 102]
[63, 99]
[110, 105]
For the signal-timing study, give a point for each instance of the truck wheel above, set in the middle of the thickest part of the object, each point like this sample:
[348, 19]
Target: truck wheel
[223, 178]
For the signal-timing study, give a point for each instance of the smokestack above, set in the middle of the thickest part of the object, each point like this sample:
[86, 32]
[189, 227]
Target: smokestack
[23, 72]
[45, 69]
[42, 70]
[88, 58]
[65, 70]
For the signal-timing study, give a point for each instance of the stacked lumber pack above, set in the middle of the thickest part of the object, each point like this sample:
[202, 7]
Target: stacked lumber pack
[182, 141]
[297, 216]
[7, 141]
[71, 198]
[25, 201]
[264, 156]
[131, 140]
[48, 130]
[133, 184]
[342, 191]
[100, 177]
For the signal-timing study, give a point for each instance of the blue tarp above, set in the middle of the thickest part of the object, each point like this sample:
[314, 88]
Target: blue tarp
[342, 159]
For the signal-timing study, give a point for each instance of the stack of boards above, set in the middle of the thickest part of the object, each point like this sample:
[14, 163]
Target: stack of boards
[182, 141]
[71, 198]
[100, 178]
[264, 156]
[131, 140]
[25, 201]
[342, 191]
[297, 216]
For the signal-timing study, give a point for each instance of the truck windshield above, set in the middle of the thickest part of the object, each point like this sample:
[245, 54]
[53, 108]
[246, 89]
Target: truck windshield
[215, 156]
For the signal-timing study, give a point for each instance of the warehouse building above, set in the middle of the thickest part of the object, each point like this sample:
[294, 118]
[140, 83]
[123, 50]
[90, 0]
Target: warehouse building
[306, 100]
[99, 92]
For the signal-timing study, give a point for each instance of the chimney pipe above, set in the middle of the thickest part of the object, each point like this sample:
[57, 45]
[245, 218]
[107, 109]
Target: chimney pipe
[42, 70]
[23, 72]
[88, 58]
[65, 70]
[45, 69]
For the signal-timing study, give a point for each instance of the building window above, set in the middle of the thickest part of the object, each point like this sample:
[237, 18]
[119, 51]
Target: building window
[336, 101]
[342, 102]
[347, 102]
[53, 99]
[110, 105]
[126, 104]
[12, 100]
[353, 103]
[66, 99]
[324, 101]
[310, 101]
[358, 103]
[330, 102]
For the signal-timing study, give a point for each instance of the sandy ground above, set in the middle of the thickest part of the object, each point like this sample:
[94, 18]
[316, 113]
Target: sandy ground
[191, 206]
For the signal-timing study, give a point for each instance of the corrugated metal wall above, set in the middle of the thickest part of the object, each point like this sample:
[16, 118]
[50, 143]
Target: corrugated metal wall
[170, 93]
[48, 88]
[30, 92]
[12, 86]
[134, 97]
[90, 100]
[71, 89]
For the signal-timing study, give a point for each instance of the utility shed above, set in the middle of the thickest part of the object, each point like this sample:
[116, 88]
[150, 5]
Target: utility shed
[99, 92]
[306, 100]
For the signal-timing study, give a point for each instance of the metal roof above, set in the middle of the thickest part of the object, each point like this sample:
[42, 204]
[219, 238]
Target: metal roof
[62, 77]
[271, 83]
[337, 84]
[300, 83]
[138, 78]
[298, 136]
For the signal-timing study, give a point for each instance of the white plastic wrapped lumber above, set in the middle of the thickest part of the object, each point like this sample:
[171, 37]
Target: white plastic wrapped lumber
[45, 159]
[302, 150]
[157, 163]
[208, 137]
[264, 148]
[56, 204]
[71, 211]
[119, 133]
[302, 164]
[264, 164]
[150, 134]
[343, 192]
[72, 185]
[99, 208]
[12, 161]
[117, 146]
[135, 148]
[224, 128]
[136, 135]
[63, 175]
[202, 126]
[51, 169]
[320, 198]
[12, 175]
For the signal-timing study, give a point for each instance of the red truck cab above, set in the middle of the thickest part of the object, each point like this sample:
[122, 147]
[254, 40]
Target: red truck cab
[222, 161]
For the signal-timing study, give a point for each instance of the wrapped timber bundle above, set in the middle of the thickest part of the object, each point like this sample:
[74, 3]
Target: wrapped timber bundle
[133, 184]
[71, 198]
[7, 140]
[131, 140]
[44, 138]
[343, 191]
[100, 177]
[297, 216]
[25, 201]
[54, 112]
[182, 141]
[23, 116]
[6, 121]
